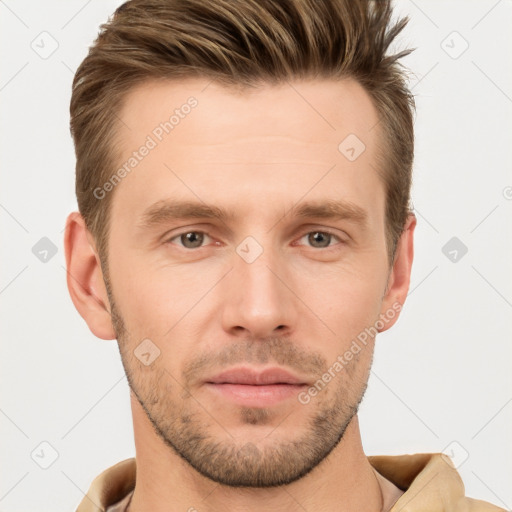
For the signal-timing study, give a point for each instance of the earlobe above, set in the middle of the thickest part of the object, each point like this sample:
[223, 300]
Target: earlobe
[400, 275]
[85, 278]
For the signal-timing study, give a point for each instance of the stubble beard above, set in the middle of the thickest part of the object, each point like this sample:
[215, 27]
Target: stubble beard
[184, 425]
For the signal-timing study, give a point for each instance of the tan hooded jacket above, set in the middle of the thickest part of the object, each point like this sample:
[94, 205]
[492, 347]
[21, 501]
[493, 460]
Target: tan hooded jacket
[430, 481]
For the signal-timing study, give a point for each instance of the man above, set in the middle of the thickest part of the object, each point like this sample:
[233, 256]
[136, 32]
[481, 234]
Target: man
[243, 180]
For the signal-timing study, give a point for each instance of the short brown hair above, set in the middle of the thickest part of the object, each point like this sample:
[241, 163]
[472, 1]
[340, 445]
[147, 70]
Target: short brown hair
[241, 43]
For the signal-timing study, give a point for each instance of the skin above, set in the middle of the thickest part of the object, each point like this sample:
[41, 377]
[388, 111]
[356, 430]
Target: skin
[298, 305]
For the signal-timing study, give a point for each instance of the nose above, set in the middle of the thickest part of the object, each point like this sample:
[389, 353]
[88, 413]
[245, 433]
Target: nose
[258, 300]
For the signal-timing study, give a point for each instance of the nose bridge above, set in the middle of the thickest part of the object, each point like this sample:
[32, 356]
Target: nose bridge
[258, 302]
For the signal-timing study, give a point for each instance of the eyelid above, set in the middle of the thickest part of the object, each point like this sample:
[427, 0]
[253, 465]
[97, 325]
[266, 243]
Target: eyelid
[168, 239]
[309, 230]
[326, 231]
[171, 234]
[329, 231]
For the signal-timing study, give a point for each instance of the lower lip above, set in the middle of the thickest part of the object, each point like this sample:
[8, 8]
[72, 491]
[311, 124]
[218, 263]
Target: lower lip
[257, 396]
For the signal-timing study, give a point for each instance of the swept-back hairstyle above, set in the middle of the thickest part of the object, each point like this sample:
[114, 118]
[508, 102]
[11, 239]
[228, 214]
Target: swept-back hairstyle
[241, 43]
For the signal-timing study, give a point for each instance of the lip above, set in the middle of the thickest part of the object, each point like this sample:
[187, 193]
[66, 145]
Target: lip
[250, 388]
[249, 376]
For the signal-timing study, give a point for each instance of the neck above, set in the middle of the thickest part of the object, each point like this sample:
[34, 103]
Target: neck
[344, 481]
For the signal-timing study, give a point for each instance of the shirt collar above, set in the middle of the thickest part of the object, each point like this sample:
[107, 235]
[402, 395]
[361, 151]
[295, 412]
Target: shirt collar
[430, 481]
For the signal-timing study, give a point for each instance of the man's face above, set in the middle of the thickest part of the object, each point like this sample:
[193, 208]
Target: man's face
[268, 295]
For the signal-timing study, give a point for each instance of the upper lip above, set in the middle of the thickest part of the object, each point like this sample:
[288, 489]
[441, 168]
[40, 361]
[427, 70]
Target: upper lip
[250, 376]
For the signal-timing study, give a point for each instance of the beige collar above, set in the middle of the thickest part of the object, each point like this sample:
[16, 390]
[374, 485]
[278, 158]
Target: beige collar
[430, 481]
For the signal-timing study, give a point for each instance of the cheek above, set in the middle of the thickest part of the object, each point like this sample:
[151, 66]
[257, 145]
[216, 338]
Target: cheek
[158, 301]
[347, 301]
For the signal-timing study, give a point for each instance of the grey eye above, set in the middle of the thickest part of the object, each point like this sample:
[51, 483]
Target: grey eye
[192, 239]
[319, 239]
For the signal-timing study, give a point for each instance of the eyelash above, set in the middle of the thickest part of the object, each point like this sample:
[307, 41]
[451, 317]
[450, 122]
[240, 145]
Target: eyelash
[324, 232]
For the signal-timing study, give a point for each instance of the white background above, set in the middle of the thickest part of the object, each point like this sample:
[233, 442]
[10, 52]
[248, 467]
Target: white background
[441, 375]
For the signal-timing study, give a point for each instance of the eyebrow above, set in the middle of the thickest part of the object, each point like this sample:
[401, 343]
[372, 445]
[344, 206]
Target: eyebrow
[331, 209]
[169, 210]
[165, 211]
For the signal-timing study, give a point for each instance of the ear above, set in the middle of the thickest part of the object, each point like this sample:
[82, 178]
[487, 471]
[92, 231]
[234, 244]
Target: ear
[85, 278]
[399, 276]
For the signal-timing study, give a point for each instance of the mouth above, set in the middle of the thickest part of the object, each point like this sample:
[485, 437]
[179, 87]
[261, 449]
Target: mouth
[251, 388]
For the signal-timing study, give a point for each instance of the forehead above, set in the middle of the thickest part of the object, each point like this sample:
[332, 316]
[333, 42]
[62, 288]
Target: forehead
[264, 143]
[310, 110]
